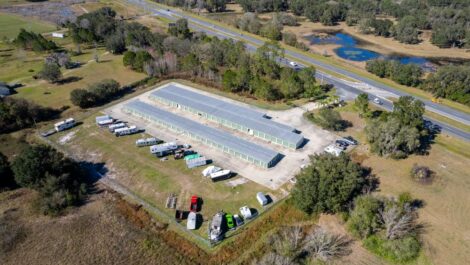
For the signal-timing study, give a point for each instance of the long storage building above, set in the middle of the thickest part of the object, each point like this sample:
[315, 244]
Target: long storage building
[224, 141]
[227, 114]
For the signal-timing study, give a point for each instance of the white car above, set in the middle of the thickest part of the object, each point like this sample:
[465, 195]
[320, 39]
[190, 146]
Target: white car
[293, 64]
[377, 101]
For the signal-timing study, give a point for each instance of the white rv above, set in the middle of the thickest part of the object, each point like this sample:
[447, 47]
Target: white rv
[192, 218]
[116, 126]
[146, 142]
[334, 150]
[246, 212]
[64, 125]
[125, 131]
[163, 149]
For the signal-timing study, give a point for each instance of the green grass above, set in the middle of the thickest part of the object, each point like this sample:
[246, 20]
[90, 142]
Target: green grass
[10, 25]
[152, 179]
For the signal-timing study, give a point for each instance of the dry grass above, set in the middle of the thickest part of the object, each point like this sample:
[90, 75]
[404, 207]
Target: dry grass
[446, 209]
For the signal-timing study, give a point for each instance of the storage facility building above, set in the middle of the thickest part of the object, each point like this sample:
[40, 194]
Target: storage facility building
[224, 141]
[227, 114]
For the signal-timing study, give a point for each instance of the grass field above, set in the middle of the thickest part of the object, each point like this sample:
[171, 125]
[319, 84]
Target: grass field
[152, 179]
[445, 212]
[10, 25]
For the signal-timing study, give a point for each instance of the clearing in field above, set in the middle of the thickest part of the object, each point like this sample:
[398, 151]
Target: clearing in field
[10, 25]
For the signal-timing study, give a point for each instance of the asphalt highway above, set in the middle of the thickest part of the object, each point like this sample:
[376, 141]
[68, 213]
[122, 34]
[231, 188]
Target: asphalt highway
[251, 44]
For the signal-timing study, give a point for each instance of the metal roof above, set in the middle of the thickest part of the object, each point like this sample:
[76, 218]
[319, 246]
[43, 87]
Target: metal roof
[220, 137]
[244, 116]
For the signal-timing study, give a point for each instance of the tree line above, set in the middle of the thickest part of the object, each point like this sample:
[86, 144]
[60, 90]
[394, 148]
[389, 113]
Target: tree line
[450, 81]
[96, 94]
[29, 40]
[447, 20]
[59, 181]
[224, 62]
[16, 114]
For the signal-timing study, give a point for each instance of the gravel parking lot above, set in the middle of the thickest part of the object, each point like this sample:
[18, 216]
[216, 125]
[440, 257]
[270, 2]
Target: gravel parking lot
[273, 178]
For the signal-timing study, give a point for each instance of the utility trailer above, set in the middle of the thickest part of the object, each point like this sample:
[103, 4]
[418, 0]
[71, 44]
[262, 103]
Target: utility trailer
[196, 162]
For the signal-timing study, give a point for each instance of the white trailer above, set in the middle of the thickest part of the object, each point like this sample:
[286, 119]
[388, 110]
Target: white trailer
[192, 218]
[246, 212]
[261, 198]
[100, 119]
[221, 175]
[334, 150]
[163, 149]
[59, 35]
[114, 127]
[146, 142]
[126, 131]
[64, 125]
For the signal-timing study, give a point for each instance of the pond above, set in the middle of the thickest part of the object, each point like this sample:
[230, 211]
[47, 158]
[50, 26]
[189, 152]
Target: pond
[348, 50]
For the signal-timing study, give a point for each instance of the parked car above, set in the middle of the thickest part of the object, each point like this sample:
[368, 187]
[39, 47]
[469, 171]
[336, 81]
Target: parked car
[230, 223]
[342, 144]
[350, 140]
[238, 220]
[194, 207]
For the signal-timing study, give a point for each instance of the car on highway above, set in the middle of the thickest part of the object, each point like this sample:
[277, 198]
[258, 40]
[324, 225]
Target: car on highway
[377, 101]
[293, 64]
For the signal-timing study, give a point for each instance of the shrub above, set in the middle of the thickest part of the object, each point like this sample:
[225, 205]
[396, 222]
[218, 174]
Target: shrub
[328, 184]
[421, 173]
[329, 119]
[50, 72]
[399, 250]
[364, 219]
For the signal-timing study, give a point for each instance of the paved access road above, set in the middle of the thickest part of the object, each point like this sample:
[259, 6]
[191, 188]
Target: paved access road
[252, 44]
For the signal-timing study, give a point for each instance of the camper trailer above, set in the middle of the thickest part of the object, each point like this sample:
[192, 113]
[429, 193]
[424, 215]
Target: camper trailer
[125, 131]
[261, 198]
[161, 150]
[116, 126]
[221, 175]
[64, 125]
[104, 120]
[146, 142]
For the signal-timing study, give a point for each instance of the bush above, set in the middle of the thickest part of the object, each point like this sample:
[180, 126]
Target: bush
[16, 114]
[328, 184]
[421, 173]
[59, 180]
[32, 41]
[399, 250]
[6, 175]
[96, 94]
[50, 72]
[329, 119]
[364, 219]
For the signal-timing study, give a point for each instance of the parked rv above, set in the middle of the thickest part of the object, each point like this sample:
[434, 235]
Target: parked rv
[191, 224]
[64, 125]
[116, 126]
[221, 175]
[126, 131]
[147, 142]
[261, 198]
[161, 150]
